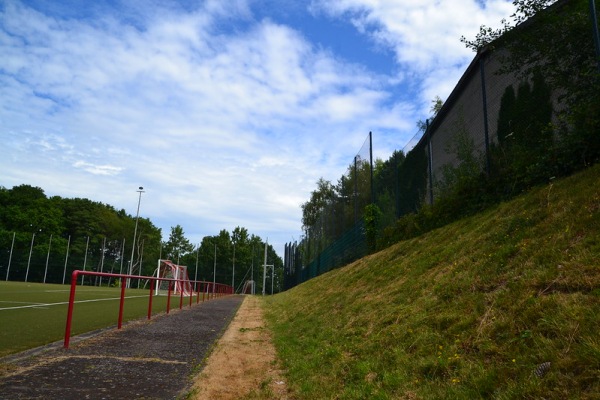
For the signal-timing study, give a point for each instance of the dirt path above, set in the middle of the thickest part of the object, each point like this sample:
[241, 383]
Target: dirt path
[243, 362]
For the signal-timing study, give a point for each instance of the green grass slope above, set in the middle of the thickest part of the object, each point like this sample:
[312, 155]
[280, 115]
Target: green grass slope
[476, 309]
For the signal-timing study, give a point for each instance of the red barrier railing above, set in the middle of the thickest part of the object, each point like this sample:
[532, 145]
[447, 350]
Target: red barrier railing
[216, 290]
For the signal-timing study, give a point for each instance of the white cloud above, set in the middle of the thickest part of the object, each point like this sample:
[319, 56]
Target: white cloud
[220, 122]
[97, 169]
[423, 34]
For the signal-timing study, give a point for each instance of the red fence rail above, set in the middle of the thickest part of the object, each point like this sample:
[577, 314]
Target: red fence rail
[210, 289]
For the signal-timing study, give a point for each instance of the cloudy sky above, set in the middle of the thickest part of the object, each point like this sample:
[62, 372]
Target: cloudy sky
[227, 112]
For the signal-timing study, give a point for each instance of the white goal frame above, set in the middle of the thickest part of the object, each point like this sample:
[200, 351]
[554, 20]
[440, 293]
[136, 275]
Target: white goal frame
[182, 283]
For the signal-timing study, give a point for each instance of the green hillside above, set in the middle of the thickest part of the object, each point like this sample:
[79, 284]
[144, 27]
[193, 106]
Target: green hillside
[476, 309]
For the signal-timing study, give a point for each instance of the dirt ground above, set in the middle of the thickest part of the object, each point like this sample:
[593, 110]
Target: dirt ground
[243, 363]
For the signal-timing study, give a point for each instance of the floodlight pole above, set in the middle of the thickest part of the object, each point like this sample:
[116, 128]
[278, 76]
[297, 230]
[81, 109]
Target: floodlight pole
[196, 273]
[102, 261]
[10, 256]
[47, 258]
[233, 269]
[141, 262]
[66, 260]
[87, 243]
[272, 277]
[122, 257]
[29, 260]
[137, 216]
[215, 271]
[264, 271]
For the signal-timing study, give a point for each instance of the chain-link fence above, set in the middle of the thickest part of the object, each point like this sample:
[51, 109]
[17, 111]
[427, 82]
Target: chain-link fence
[51, 259]
[338, 233]
[506, 126]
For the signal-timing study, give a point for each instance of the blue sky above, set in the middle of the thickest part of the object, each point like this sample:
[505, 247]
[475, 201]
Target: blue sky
[226, 112]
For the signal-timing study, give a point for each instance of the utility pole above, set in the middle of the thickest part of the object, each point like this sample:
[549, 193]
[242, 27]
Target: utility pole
[141, 190]
[233, 270]
[215, 270]
[264, 271]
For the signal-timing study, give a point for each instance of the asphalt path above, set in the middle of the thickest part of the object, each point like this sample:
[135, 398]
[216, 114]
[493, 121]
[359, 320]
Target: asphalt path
[154, 359]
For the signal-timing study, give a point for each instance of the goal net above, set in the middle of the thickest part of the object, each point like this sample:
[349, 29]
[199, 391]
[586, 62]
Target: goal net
[249, 287]
[169, 270]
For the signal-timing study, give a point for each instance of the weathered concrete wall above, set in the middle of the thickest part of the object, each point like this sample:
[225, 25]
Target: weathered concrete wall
[464, 112]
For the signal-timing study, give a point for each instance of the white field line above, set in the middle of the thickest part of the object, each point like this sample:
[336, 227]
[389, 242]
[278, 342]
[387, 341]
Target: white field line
[40, 305]
[87, 290]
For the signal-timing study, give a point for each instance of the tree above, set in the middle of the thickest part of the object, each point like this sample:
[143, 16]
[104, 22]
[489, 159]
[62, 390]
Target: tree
[525, 9]
[28, 209]
[436, 105]
[319, 198]
[177, 246]
[386, 181]
[249, 253]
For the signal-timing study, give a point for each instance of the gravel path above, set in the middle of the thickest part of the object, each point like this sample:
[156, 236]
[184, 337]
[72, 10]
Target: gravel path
[153, 359]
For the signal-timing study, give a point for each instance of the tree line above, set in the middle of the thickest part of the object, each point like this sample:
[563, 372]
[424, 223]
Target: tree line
[44, 239]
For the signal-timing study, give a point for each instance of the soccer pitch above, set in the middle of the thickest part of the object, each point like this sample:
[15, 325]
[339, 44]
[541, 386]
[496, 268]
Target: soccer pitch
[34, 314]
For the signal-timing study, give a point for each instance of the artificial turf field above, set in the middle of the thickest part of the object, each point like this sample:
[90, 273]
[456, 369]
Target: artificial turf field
[34, 314]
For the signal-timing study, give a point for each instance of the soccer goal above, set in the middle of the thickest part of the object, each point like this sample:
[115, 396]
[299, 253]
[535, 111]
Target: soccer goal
[249, 287]
[182, 284]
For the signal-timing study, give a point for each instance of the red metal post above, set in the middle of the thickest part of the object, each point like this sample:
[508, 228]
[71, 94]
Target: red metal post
[70, 309]
[150, 298]
[208, 287]
[120, 323]
[169, 298]
[180, 297]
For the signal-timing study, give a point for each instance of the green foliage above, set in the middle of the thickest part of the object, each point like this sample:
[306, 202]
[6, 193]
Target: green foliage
[466, 311]
[372, 218]
[412, 181]
[334, 210]
[528, 153]
[488, 37]
[77, 224]
[524, 155]
[458, 178]
[216, 254]
[547, 128]
[319, 198]
[177, 245]
[27, 209]
[98, 238]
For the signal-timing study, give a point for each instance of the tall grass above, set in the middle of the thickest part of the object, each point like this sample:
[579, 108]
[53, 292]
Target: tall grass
[476, 309]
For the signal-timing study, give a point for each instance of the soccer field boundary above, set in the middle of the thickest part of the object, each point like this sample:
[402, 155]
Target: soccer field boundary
[44, 305]
[32, 314]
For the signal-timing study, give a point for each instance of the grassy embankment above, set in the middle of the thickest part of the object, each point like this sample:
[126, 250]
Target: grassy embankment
[467, 311]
